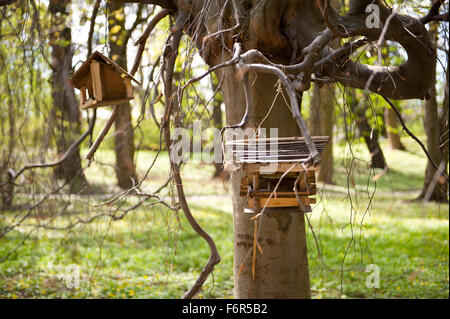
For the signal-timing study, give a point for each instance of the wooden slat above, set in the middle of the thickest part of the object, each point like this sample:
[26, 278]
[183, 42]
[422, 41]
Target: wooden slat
[91, 103]
[256, 187]
[244, 191]
[280, 194]
[83, 90]
[311, 179]
[128, 87]
[280, 202]
[96, 80]
[281, 167]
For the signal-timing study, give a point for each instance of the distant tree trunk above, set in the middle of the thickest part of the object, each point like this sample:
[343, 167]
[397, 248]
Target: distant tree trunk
[6, 191]
[392, 130]
[8, 133]
[436, 129]
[321, 123]
[369, 134]
[217, 122]
[64, 101]
[123, 137]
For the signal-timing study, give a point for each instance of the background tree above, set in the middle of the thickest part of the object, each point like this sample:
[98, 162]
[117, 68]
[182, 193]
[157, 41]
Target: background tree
[217, 122]
[321, 124]
[436, 128]
[393, 130]
[65, 111]
[7, 138]
[359, 107]
[123, 136]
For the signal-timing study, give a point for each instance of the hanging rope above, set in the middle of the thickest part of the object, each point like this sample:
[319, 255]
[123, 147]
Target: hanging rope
[105, 46]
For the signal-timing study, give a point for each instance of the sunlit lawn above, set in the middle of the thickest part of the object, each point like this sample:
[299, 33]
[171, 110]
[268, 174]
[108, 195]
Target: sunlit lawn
[153, 253]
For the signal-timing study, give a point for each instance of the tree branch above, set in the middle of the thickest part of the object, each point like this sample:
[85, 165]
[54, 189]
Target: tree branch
[214, 257]
[143, 39]
[92, 26]
[72, 148]
[398, 82]
[166, 4]
[6, 2]
[415, 138]
[433, 14]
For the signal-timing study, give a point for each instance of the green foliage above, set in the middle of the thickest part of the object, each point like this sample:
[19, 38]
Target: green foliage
[153, 253]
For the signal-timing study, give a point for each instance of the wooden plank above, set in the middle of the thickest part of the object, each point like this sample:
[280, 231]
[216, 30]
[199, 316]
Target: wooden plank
[91, 103]
[311, 179]
[280, 194]
[128, 87]
[83, 90]
[96, 80]
[115, 85]
[280, 202]
[281, 167]
[244, 191]
[256, 187]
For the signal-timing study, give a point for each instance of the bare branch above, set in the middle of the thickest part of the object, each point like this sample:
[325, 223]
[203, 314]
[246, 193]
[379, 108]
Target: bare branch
[143, 39]
[214, 257]
[433, 14]
[398, 82]
[6, 2]
[72, 148]
[397, 112]
[92, 26]
[167, 4]
[103, 133]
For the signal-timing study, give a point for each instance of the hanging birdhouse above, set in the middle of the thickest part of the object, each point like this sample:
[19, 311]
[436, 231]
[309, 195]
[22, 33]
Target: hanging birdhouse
[276, 171]
[102, 82]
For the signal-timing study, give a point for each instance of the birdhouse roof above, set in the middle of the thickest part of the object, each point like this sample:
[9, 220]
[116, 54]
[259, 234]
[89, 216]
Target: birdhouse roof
[97, 56]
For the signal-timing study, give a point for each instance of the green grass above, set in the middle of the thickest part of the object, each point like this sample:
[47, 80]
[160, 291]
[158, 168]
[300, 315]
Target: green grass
[153, 253]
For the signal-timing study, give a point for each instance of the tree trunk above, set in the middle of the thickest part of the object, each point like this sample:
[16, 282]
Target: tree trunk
[7, 141]
[321, 123]
[218, 123]
[371, 138]
[7, 190]
[392, 130]
[123, 136]
[282, 269]
[369, 134]
[64, 101]
[436, 128]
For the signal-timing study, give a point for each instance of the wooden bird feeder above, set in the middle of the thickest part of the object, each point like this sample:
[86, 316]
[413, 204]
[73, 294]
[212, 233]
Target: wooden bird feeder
[287, 163]
[102, 82]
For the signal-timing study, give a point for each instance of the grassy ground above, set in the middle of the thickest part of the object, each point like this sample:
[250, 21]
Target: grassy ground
[153, 253]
